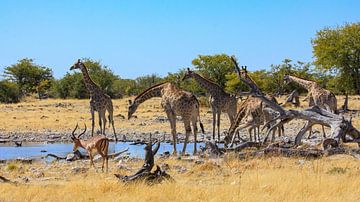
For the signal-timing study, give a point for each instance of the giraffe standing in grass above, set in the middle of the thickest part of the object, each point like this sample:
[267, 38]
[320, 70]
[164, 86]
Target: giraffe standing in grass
[176, 102]
[220, 101]
[99, 100]
[316, 94]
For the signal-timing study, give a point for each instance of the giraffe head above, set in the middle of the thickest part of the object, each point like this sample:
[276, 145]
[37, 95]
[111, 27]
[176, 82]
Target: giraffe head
[244, 72]
[77, 65]
[188, 74]
[76, 140]
[287, 79]
[132, 108]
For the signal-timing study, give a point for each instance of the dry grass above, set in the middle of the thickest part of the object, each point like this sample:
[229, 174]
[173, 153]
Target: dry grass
[268, 179]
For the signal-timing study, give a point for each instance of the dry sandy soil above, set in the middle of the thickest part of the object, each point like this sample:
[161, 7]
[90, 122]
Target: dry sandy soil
[334, 178]
[47, 117]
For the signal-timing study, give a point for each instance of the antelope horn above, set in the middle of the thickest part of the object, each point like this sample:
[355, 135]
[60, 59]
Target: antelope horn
[83, 131]
[73, 133]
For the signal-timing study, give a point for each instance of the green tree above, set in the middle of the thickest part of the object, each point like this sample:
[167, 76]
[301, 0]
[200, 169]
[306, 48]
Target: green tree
[338, 50]
[144, 82]
[30, 77]
[9, 92]
[214, 67]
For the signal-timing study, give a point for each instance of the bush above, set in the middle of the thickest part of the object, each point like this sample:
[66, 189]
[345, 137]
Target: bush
[9, 92]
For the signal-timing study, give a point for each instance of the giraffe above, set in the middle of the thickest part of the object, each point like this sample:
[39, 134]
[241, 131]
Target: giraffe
[316, 94]
[99, 100]
[220, 101]
[254, 111]
[176, 102]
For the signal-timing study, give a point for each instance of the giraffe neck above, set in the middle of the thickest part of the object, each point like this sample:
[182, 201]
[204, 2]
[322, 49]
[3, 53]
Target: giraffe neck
[210, 86]
[240, 115]
[89, 83]
[154, 91]
[302, 82]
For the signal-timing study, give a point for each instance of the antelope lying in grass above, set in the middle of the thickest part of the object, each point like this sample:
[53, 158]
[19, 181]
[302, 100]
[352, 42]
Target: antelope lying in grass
[99, 143]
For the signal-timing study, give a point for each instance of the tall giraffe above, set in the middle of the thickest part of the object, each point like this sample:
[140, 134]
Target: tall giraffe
[175, 102]
[316, 95]
[99, 100]
[220, 101]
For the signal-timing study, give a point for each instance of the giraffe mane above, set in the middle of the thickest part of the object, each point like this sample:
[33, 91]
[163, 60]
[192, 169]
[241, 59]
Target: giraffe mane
[208, 80]
[145, 91]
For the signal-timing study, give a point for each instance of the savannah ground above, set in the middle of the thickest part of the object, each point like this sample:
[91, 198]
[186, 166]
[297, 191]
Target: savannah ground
[334, 178]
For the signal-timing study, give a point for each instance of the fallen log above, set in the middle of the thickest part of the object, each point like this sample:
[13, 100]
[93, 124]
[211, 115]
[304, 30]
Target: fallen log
[245, 145]
[212, 149]
[79, 156]
[5, 180]
[275, 150]
[149, 178]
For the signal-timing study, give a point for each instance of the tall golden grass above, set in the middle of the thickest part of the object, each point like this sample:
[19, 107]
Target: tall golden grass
[264, 179]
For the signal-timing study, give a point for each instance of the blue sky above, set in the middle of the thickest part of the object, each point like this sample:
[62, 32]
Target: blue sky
[135, 38]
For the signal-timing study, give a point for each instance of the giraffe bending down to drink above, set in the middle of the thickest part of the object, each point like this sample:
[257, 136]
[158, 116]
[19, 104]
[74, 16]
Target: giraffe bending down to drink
[317, 96]
[176, 102]
[99, 101]
[220, 101]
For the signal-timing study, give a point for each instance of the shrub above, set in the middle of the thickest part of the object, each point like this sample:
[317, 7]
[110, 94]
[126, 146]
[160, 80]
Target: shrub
[9, 92]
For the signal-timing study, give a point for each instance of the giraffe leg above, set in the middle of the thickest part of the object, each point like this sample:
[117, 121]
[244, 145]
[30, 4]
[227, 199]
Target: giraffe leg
[310, 133]
[195, 130]
[172, 119]
[258, 132]
[324, 134]
[187, 133]
[92, 121]
[100, 121]
[111, 120]
[249, 131]
[218, 124]
[104, 120]
[214, 123]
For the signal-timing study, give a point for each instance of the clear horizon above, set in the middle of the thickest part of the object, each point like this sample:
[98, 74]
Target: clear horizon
[136, 38]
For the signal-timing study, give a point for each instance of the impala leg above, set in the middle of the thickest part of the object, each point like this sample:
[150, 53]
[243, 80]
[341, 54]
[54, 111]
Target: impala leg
[91, 160]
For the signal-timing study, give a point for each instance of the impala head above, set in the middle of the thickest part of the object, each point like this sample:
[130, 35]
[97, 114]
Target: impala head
[188, 74]
[77, 65]
[75, 139]
[286, 79]
[132, 108]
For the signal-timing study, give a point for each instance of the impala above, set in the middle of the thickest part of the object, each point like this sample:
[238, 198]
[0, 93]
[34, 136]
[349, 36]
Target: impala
[99, 143]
